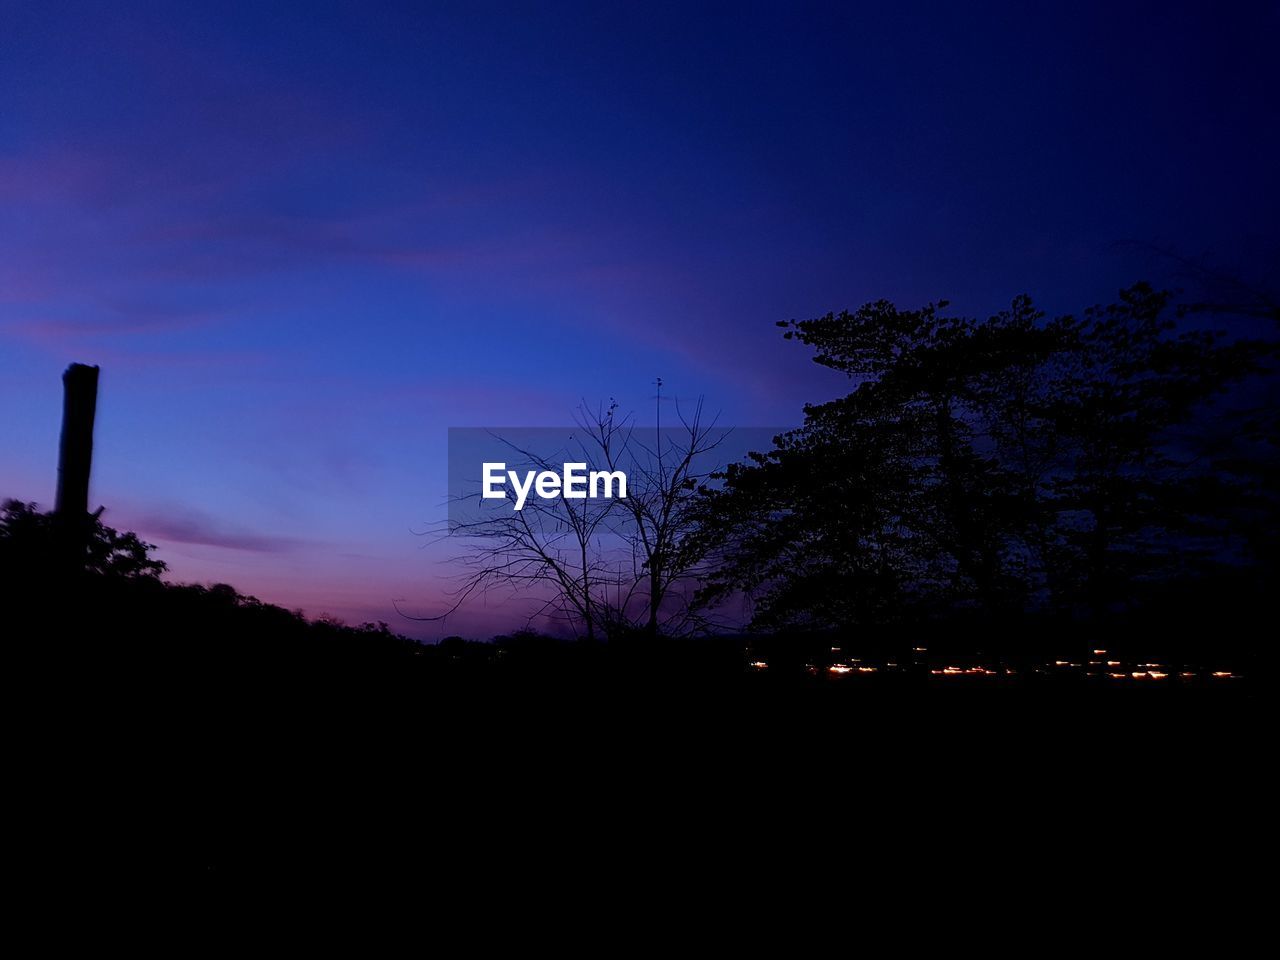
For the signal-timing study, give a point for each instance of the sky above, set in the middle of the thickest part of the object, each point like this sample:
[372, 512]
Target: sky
[304, 240]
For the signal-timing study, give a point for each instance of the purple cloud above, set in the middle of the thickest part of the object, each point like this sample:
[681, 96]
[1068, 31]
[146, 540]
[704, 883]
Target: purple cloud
[191, 527]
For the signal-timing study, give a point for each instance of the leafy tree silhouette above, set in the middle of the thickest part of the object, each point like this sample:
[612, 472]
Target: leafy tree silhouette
[993, 466]
[27, 539]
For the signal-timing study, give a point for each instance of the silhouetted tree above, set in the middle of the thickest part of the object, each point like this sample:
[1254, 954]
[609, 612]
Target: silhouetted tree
[993, 466]
[602, 566]
[658, 521]
[27, 543]
[545, 551]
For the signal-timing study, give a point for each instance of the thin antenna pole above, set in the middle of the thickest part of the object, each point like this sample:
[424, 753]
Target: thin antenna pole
[658, 419]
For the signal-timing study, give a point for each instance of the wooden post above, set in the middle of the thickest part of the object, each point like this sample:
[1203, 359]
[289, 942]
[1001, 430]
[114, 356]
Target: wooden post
[75, 459]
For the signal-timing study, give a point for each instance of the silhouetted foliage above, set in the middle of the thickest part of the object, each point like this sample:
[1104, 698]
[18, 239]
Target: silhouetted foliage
[28, 543]
[1000, 466]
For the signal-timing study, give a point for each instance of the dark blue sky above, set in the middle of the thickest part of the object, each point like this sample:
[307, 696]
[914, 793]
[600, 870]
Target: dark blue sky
[304, 240]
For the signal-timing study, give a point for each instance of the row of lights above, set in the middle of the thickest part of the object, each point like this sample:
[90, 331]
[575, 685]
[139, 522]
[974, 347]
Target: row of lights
[1145, 671]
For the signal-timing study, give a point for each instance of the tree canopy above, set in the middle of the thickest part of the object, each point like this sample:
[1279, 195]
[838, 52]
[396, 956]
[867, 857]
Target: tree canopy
[27, 545]
[1002, 465]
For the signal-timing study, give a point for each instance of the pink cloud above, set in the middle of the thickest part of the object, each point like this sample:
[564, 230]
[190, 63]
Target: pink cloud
[192, 527]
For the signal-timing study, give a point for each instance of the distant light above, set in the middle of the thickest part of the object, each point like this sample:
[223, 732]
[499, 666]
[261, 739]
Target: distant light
[759, 665]
[979, 671]
[839, 668]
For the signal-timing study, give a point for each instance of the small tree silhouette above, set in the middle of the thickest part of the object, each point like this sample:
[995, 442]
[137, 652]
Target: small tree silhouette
[28, 544]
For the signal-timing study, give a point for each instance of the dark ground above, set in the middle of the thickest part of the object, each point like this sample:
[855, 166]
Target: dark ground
[195, 736]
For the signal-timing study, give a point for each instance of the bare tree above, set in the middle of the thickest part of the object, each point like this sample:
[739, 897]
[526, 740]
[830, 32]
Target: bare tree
[659, 516]
[601, 566]
[549, 551]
